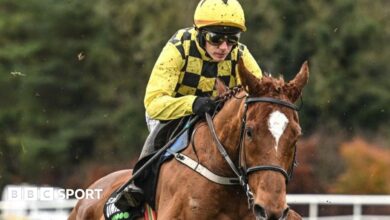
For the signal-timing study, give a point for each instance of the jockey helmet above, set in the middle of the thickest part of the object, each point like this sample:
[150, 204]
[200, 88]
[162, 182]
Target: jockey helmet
[219, 13]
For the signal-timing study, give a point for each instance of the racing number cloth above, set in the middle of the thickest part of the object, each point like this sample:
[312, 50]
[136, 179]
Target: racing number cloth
[184, 71]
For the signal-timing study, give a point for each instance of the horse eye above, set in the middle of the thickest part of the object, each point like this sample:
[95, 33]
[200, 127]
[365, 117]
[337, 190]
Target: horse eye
[249, 132]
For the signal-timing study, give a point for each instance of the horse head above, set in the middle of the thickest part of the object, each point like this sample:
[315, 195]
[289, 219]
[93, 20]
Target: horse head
[268, 137]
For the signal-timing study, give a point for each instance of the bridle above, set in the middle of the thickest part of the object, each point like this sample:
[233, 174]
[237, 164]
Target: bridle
[242, 172]
[247, 171]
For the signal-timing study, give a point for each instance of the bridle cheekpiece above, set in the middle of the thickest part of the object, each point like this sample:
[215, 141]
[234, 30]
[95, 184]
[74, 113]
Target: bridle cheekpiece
[242, 171]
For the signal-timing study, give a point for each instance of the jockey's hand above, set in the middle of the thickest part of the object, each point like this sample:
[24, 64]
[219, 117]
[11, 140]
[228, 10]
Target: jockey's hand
[202, 105]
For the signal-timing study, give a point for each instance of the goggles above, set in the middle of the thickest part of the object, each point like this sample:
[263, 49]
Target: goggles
[217, 39]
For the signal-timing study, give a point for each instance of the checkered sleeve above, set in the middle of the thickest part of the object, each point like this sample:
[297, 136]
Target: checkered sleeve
[159, 100]
[250, 63]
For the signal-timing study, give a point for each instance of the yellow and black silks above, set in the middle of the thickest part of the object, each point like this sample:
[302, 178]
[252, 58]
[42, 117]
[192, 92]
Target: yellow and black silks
[184, 71]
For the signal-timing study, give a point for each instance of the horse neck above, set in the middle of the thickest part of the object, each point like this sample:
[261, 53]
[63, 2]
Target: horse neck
[227, 125]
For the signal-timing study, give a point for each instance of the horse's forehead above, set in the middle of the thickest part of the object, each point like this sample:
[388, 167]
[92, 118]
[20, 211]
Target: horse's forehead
[274, 120]
[277, 123]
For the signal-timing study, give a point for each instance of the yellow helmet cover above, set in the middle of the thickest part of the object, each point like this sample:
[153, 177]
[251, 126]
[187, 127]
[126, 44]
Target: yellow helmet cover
[219, 13]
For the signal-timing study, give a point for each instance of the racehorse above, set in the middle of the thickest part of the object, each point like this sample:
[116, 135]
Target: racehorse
[243, 158]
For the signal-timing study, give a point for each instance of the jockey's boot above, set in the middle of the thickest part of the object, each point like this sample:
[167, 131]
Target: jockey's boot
[132, 196]
[129, 206]
[129, 214]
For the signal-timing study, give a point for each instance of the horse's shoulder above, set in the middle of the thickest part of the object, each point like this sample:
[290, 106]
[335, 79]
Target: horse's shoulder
[112, 178]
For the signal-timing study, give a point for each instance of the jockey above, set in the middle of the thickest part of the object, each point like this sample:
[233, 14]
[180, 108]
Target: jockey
[183, 79]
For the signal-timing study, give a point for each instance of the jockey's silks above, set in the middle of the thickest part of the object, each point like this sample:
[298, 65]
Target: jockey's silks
[184, 71]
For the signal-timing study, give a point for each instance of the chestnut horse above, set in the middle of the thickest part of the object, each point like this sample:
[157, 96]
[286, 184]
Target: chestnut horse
[250, 142]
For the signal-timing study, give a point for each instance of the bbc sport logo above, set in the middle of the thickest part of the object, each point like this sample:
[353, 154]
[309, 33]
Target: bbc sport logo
[31, 193]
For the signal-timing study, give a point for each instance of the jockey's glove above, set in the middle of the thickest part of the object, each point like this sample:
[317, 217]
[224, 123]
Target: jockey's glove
[202, 105]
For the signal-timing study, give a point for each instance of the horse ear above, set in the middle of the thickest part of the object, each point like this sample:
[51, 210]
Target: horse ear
[220, 87]
[294, 87]
[248, 80]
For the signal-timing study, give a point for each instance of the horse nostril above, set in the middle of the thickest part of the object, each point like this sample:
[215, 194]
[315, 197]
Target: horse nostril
[285, 213]
[259, 212]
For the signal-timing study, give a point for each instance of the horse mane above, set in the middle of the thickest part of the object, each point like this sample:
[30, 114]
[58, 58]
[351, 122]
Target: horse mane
[267, 86]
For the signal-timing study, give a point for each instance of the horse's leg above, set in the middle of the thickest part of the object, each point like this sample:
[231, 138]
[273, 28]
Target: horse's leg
[92, 209]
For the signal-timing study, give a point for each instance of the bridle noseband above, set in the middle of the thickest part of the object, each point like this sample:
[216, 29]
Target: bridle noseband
[242, 171]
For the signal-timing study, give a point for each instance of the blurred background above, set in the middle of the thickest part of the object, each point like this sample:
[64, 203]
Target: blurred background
[73, 76]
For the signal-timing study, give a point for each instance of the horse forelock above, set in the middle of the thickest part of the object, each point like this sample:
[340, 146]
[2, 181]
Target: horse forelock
[269, 86]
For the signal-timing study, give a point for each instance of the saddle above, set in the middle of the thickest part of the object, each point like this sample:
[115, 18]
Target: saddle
[148, 179]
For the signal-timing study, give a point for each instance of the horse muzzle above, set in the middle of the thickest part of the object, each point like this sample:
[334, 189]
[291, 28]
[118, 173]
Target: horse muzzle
[263, 214]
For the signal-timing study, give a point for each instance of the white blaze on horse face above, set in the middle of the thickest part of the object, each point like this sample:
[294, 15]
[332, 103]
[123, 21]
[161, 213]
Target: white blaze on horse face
[277, 122]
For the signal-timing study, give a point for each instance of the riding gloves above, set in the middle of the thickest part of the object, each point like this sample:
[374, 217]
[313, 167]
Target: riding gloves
[202, 105]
